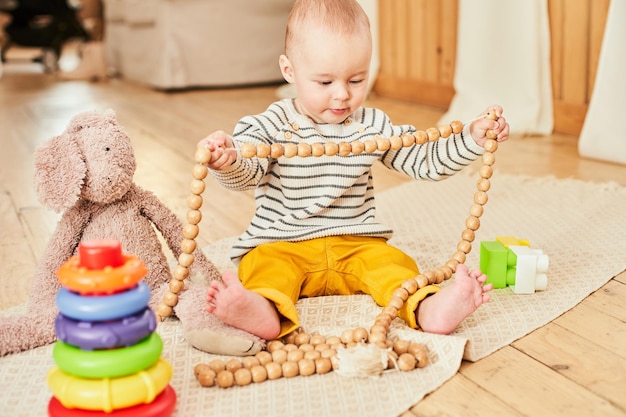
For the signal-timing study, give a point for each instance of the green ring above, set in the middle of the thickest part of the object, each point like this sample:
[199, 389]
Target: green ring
[110, 363]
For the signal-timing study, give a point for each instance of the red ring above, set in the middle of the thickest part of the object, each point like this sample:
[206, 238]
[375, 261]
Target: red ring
[162, 406]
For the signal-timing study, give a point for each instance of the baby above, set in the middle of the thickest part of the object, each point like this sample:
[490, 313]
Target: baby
[314, 231]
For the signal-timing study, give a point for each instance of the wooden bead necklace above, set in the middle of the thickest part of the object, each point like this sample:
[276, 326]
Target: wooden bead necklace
[300, 353]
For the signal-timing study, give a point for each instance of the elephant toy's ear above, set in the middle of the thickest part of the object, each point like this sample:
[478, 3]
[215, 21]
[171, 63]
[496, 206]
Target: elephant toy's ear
[60, 171]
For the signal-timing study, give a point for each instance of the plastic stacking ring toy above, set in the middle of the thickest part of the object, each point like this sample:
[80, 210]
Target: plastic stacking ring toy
[93, 335]
[105, 307]
[110, 363]
[162, 406]
[108, 394]
[108, 280]
[100, 253]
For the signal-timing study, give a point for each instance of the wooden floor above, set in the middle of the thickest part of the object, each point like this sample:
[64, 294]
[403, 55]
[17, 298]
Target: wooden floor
[575, 366]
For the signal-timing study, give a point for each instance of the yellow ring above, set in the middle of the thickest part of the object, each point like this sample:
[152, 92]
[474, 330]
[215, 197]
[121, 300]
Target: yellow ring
[108, 394]
[75, 277]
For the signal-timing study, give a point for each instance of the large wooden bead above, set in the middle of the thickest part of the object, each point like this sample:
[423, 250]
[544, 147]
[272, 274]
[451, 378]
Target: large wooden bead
[304, 150]
[290, 150]
[180, 272]
[459, 256]
[217, 365]
[188, 245]
[406, 362]
[306, 367]
[279, 356]
[317, 149]
[457, 127]
[185, 259]
[263, 150]
[488, 158]
[258, 373]
[194, 216]
[243, 377]
[483, 184]
[264, 357]
[396, 302]
[302, 338]
[190, 231]
[476, 210]
[445, 131]
[486, 171]
[491, 145]
[480, 197]
[194, 202]
[323, 365]
[197, 186]
[472, 223]
[290, 369]
[359, 335]
[422, 281]
[344, 149]
[382, 144]
[464, 246]
[276, 150]
[250, 361]
[248, 150]
[395, 142]
[176, 286]
[170, 299]
[370, 146]
[410, 285]
[421, 137]
[206, 378]
[295, 355]
[408, 140]
[233, 364]
[401, 294]
[274, 370]
[225, 379]
[200, 171]
[331, 149]
[163, 310]
[433, 134]
[420, 353]
[357, 147]
[203, 155]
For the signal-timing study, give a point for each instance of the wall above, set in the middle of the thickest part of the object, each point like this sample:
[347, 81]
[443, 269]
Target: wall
[418, 48]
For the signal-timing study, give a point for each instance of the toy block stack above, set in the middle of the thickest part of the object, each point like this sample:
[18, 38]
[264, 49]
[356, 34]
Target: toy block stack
[509, 261]
[108, 356]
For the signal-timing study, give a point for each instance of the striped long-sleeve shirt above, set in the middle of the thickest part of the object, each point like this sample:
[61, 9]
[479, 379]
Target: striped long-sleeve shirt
[304, 198]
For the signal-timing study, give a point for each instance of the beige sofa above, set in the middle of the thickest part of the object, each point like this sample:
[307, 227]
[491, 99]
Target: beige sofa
[175, 44]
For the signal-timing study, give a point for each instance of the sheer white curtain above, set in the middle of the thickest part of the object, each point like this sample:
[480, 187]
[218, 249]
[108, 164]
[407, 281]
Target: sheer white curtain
[503, 57]
[602, 136]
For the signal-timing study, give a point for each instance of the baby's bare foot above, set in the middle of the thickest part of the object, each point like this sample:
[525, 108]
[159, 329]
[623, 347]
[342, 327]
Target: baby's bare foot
[241, 308]
[443, 311]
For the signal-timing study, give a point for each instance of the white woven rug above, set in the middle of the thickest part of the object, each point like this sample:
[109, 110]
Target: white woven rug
[581, 226]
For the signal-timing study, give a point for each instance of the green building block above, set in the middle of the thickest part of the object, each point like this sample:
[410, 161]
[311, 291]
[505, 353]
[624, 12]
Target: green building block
[497, 262]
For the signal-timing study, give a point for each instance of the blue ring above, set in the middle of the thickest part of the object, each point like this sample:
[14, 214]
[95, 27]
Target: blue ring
[103, 307]
[110, 334]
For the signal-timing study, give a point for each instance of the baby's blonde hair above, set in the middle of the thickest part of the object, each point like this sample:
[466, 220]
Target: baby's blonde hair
[338, 16]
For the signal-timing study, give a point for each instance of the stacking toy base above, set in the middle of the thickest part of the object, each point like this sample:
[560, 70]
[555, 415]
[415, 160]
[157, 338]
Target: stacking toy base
[162, 406]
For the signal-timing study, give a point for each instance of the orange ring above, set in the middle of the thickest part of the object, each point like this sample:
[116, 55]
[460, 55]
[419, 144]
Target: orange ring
[75, 277]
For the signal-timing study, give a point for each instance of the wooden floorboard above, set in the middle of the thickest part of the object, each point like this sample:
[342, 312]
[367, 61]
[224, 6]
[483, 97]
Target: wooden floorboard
[574, 366]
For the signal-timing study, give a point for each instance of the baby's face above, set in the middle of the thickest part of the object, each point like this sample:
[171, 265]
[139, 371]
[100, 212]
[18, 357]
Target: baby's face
[331, 72]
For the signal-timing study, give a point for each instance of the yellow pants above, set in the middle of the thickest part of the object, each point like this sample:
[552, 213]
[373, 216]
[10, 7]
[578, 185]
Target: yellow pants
[283, 272]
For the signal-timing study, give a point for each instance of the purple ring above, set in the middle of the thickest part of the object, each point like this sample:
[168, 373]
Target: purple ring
[93, 335]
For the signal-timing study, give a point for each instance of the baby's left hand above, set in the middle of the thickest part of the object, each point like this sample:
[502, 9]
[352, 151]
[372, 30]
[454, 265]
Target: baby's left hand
[480, 126]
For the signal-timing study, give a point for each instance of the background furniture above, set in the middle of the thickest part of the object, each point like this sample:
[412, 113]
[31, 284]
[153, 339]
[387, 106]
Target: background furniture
[174, 44]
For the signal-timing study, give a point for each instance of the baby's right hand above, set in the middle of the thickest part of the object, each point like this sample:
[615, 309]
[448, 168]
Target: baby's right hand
[223, 152]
